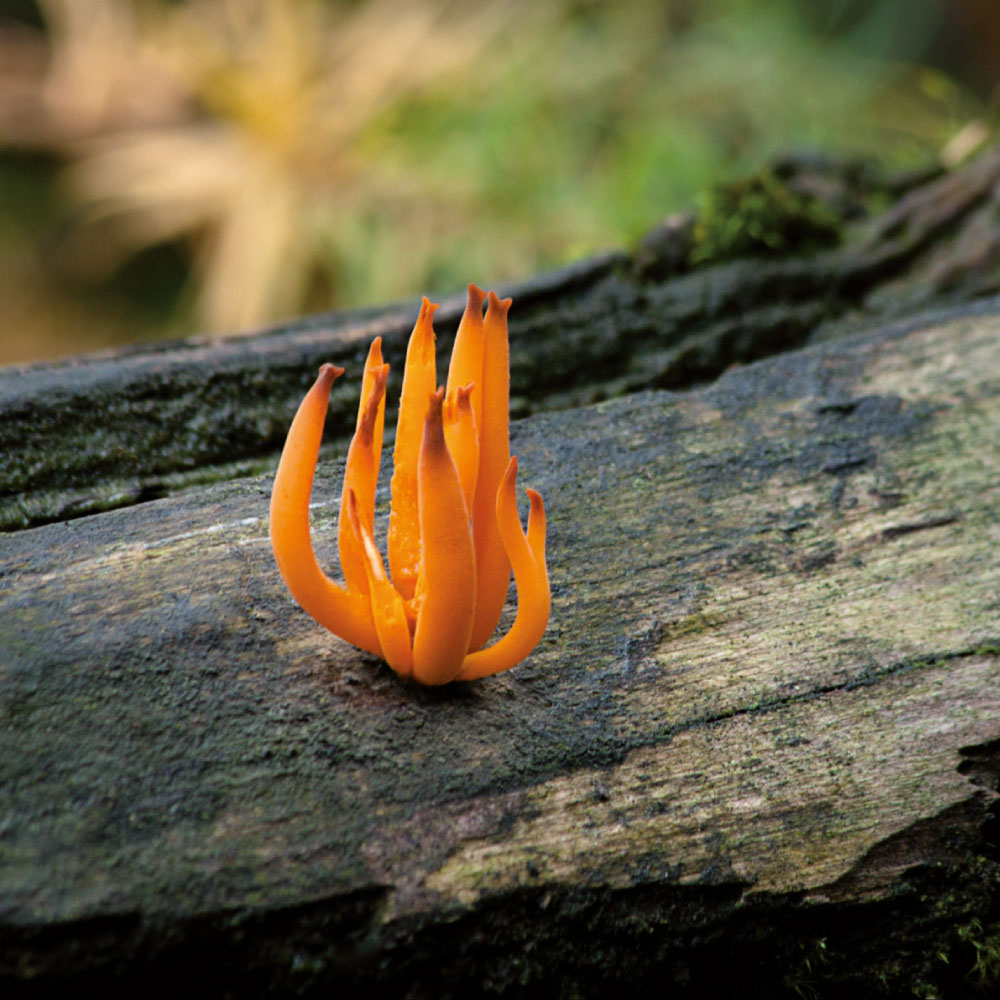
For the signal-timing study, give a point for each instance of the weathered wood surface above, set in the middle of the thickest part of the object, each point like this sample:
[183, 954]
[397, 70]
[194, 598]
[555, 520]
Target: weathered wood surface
[757, 750]
[91, 434]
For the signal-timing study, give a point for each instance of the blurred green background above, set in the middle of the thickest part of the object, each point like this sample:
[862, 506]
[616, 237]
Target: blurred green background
[179, 166]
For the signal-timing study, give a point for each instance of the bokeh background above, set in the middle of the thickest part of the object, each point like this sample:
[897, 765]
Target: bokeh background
[181, 166]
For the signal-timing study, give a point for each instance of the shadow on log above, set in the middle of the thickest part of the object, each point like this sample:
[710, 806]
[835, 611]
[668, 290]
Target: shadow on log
[756, 754]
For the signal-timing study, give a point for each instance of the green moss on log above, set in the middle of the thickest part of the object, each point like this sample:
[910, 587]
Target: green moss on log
[761, 214]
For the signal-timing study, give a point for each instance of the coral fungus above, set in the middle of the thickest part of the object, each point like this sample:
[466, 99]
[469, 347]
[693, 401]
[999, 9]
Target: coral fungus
[454, 530]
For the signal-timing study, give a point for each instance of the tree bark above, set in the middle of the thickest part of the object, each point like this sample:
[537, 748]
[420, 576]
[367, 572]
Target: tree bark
[757, 752]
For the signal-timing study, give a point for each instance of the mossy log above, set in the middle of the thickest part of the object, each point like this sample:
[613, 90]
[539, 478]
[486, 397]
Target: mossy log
[757, 752]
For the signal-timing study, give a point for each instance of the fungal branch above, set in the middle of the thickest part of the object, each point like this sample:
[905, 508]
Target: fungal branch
[454, 530]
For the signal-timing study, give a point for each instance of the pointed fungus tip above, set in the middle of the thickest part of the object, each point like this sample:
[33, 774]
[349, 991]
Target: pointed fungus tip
[328, 372]
[422, 338]
[476, 298]
[498, 304]
[434, 403]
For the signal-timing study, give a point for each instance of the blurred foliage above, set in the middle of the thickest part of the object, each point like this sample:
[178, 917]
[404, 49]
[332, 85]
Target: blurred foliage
[172, 165]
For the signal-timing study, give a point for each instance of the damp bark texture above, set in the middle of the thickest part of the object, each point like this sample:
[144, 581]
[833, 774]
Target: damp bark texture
[756, 753]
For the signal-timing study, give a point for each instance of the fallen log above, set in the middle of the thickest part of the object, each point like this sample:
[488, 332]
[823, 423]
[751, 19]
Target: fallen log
[757, 752]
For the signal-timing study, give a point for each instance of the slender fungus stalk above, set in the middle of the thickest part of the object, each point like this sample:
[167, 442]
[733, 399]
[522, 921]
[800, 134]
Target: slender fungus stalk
[454, 530]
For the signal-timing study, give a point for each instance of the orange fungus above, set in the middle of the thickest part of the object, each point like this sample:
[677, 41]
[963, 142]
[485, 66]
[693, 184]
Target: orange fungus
[454, 530]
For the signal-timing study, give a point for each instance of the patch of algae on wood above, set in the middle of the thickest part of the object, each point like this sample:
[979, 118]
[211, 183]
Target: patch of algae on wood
[839, 578]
